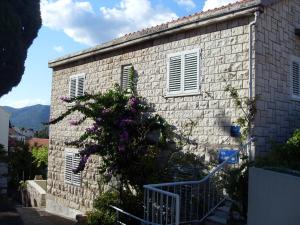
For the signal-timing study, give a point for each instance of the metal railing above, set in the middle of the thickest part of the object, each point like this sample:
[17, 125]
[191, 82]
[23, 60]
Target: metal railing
[185, 202]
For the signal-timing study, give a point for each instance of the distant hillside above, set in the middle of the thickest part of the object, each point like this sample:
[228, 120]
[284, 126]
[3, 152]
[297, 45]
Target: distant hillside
[29, 117]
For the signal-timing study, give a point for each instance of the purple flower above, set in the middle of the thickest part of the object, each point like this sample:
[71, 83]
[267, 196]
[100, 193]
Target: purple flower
[133, 101]
[121, 148]
[105, 111]
[65, 98]
[92, 129]
[124, 136]
[125, 122]
[81, 165]
[74, 123]
[99, 121]
[132, 104]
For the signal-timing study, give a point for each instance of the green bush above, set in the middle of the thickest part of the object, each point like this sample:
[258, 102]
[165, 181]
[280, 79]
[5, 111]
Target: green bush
[283, 156]
[103, 214]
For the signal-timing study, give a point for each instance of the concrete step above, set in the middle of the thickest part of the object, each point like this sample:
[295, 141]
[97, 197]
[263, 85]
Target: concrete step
[221, 215]
[216, 220]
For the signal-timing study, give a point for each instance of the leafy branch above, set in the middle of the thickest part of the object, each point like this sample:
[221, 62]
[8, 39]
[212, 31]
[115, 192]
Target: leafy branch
[248, 107]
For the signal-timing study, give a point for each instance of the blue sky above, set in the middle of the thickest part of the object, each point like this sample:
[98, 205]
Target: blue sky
[72, 25]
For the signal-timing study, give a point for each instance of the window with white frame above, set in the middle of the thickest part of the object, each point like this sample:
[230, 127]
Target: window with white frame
[183, 73]
[295, 77]
[72, 160]
[125, 77]
[76, 85]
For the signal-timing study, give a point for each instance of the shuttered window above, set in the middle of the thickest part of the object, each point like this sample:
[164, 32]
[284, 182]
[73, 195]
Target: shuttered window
[76, 85]
[125, 77]
[183, 73]
[71, 162]
[296, 78]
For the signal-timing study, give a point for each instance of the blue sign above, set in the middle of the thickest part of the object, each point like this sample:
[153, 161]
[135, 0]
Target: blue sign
[225, 154]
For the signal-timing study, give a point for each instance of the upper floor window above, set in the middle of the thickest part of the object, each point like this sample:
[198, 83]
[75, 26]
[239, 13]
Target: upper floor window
[183, 73]
[125, 77]
[72, 160]
[76, 85]
[295, 77]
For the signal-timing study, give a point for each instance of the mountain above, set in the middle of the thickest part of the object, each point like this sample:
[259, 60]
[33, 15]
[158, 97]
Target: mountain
[29, 117]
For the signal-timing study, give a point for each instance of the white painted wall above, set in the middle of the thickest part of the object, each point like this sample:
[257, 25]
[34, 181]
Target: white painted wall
[273, 198]
[4, 127]
[4, 130]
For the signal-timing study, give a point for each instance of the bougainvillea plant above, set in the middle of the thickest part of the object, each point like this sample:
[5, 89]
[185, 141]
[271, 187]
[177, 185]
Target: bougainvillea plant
[124, 133]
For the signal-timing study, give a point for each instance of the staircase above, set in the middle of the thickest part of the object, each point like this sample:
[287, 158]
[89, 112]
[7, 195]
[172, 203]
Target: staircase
[202, 202]
[220, 216]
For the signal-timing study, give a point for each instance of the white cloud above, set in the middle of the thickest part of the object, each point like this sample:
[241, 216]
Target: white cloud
[80, 21]
[211, 4]
[58, 48]
[25, 102]
[188, 4]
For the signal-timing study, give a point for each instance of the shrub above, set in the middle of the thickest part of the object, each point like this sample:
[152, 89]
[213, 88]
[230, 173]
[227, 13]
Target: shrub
[103, 214]
[283, 156]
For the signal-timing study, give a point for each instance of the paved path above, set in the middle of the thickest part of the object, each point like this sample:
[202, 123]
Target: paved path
[36, 216]
[8, 213]
[18, 215]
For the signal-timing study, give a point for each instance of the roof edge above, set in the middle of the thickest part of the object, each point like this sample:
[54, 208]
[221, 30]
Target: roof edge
[224, 13]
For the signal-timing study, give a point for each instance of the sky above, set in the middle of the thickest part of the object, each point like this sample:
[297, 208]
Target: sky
[72, 25]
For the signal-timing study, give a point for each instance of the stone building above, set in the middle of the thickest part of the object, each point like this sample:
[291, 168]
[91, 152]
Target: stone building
[183, 68]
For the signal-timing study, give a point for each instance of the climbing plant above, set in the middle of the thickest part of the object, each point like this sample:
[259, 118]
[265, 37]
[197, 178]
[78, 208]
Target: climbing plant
[128, 138]
[248, 108]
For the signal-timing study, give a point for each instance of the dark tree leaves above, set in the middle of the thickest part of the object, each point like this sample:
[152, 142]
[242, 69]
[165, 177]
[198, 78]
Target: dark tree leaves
[20, 21]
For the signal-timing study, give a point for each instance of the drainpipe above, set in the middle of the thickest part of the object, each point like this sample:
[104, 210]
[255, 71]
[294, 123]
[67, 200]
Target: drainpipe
[251, 25]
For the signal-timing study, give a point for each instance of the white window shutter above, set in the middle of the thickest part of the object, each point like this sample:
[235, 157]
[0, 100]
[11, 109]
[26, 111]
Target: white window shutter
[73, 84]
[175, 70]
[80, 86]
[68, 167]
[125, 77]
[76, 179]
[191, 74]
[296, 78]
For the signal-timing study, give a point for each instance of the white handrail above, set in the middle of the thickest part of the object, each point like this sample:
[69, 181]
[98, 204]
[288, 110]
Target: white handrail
[132, 216]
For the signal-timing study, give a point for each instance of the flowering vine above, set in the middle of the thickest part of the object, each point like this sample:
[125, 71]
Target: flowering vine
[128, 138]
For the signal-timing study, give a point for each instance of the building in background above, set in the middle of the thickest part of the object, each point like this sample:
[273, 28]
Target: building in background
[4, 132]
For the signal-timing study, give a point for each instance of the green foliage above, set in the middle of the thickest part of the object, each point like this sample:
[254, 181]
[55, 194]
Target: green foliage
[20, 21]
[248, 107]
[24, 164]
[40, 156]
[236, 184]
[185, 166]
[103, 214]
[283, 156]
[19, 164]
[22, 185]
[42, 133]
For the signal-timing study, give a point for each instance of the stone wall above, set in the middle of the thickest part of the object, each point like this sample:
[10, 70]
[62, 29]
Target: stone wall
[278, 114]
[224, 60]
[36, 194]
